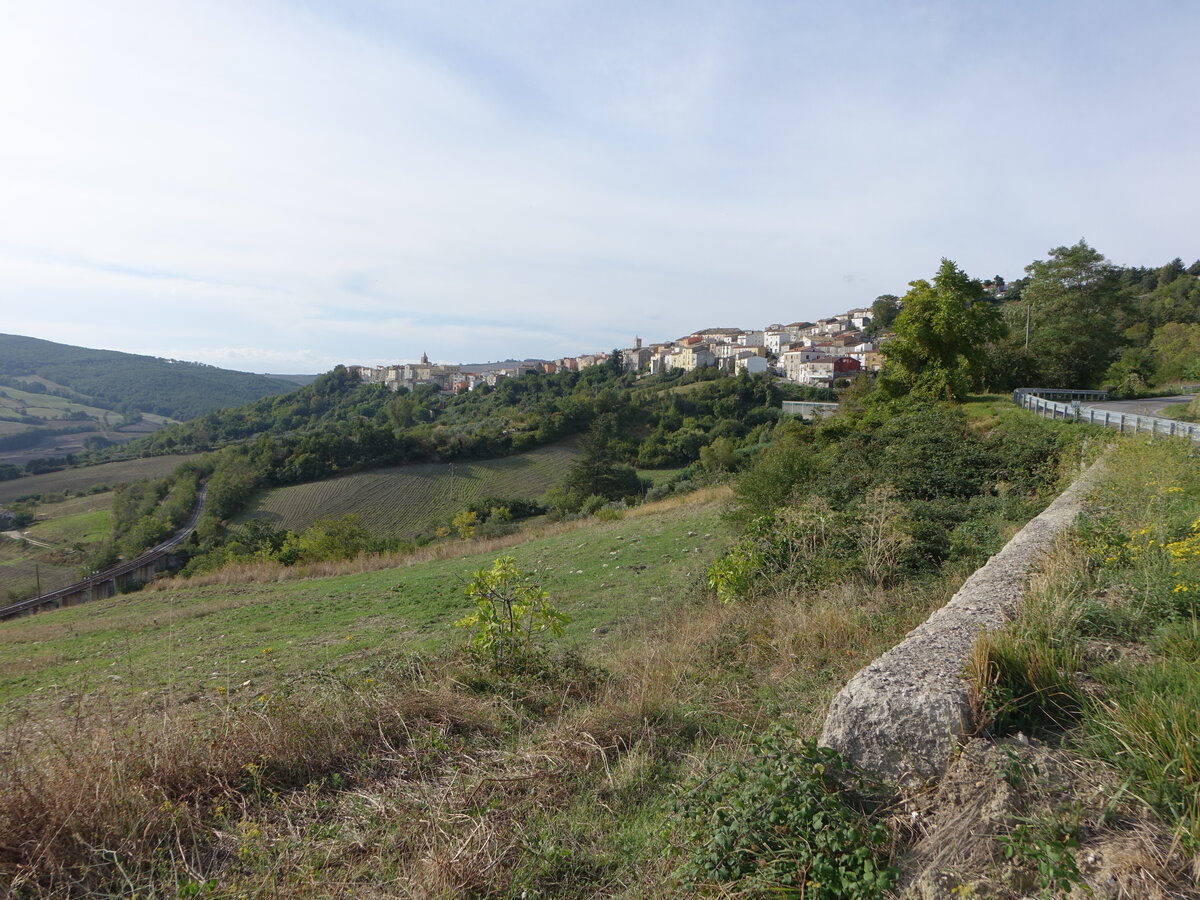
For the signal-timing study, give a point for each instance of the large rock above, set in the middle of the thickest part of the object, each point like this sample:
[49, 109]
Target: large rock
[905, 714]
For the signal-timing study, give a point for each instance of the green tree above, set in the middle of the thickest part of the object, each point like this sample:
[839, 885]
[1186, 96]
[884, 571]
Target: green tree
[597, 472]
[941, 334]
[1074, 310]
[884, 311]
[326, 539]
[1176, 348]
[615, 364]
[717, 456]
[465, 524]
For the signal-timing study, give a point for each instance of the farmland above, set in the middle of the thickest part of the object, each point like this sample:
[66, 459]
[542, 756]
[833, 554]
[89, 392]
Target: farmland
[84, 477]
[15, 403]
[190, 641]
[70, 527]
[404, 500]
[82, 520]
[36, 424]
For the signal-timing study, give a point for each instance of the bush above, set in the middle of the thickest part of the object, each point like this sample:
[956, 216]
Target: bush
[790, 820]
[511, 613]
[610, 512]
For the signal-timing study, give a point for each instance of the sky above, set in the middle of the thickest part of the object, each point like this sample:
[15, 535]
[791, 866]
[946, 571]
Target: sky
[284, 185]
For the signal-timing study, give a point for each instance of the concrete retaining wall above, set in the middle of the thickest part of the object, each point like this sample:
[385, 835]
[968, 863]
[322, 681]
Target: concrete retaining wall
[904, 715]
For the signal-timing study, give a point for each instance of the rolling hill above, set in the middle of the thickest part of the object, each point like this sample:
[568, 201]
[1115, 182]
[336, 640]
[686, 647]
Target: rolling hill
[56, 399]
[114, 380]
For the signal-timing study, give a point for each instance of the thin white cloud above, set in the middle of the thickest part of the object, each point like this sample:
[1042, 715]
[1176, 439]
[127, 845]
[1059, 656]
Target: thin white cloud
[350, 181]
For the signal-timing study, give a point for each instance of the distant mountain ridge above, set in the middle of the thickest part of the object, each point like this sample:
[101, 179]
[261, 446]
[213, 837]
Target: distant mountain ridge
[128, 381]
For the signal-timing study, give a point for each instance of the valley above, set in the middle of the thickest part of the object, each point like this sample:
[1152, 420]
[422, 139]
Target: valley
[576, 632]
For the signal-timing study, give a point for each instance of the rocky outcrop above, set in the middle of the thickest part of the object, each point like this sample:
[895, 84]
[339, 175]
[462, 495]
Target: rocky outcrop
[905, 714]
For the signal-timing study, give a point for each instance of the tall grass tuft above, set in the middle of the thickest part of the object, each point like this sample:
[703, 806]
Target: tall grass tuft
[1025, 684]
[1149, 727]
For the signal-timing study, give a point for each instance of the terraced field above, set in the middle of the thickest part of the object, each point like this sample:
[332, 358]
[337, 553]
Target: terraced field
[84, 477]
[41, 418]
[403, 500]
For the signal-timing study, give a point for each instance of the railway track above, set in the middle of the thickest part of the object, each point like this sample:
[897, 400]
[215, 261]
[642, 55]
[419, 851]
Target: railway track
[111, 575]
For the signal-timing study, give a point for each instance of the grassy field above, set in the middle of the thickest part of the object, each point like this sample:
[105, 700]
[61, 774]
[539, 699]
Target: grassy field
[84, 477]
[659, 476]
[325, 743]
[403, 500]
[188, 642]
[77, 521]
[82, 520]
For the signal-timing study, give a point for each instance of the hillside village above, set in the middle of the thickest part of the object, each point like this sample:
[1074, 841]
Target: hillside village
[809, 353]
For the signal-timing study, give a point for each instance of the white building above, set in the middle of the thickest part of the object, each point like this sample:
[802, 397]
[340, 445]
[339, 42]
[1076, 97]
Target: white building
[773, 338]
[794, 361]
[751, 339]
[751, 363]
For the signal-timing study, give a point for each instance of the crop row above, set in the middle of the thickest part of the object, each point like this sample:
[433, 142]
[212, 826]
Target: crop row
[407, 499]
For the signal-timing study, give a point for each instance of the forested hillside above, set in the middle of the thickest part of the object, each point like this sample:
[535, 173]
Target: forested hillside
[1076, 320]
[338, 424]
[128, 382]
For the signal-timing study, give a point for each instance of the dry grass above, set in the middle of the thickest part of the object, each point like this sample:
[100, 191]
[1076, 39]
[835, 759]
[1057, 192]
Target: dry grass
[433, 783]
[993, 787]
[91, 800]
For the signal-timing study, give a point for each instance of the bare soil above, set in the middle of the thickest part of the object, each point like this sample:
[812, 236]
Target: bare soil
[1067, 804]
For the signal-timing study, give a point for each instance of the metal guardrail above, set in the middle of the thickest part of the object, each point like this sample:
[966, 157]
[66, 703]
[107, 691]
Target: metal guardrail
[809, 408]
[1126, 423]
[1063, 393]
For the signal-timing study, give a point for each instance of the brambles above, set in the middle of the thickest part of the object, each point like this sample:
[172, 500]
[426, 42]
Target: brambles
[1047, 844]
[787, 821]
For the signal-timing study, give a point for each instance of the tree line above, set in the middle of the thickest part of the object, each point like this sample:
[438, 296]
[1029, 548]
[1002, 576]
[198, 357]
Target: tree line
[1074, 321]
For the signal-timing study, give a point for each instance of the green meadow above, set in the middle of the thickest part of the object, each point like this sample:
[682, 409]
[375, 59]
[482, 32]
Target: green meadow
[185, 642]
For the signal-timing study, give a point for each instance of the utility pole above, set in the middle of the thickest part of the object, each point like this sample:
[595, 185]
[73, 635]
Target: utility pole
[1027, 310]
[37, 574]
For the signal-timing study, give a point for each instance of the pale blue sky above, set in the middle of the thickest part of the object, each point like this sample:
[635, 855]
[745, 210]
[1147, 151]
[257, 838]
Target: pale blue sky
[280, 186]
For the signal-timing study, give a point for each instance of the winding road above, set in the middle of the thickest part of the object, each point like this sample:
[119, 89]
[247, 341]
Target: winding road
[1145, 406]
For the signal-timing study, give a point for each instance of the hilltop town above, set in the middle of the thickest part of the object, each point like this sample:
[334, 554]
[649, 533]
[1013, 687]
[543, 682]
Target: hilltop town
[809, 353]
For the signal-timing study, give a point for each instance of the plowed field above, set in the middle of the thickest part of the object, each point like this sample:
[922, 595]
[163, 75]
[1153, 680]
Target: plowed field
[404, 500]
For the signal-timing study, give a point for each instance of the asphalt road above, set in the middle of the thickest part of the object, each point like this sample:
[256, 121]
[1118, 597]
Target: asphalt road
[1147, 406]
